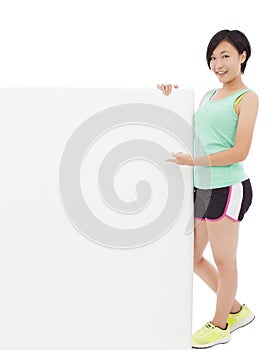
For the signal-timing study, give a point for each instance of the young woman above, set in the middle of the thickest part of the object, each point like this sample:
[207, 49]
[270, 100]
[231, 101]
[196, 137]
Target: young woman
[224, 123]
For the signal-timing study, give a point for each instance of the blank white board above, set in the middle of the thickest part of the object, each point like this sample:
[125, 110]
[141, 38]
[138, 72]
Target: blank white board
[96, 226]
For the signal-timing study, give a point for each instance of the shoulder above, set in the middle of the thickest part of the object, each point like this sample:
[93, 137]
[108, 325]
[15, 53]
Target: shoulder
[249, 98]
[248, 102]
[208, 93]
[251, 94]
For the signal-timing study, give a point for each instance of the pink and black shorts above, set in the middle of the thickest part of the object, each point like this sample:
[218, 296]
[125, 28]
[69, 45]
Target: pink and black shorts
[231, 201]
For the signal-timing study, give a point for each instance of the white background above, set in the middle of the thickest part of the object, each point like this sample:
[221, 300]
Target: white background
[122, 43]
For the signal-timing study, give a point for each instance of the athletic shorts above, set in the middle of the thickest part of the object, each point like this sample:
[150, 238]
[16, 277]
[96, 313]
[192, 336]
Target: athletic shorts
[231, 201]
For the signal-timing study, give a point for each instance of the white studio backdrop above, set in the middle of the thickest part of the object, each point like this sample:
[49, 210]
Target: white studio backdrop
[96, 240]
[120, 44]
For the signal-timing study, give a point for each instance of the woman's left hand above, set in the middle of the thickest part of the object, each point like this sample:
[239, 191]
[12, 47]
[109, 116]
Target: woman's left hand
[181, 159]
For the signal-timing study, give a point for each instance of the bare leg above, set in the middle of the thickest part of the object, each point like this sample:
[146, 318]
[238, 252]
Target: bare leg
[223, 236]
[202, 267]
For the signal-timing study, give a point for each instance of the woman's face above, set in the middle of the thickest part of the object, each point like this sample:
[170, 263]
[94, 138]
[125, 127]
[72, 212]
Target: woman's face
[226, 62]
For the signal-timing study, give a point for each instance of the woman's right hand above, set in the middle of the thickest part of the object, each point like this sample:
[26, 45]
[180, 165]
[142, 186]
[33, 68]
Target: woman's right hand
[166, 89]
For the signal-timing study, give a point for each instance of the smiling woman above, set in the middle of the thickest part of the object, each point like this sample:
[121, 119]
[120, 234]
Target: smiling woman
[224, 61]
[233, 41]
[224, 123]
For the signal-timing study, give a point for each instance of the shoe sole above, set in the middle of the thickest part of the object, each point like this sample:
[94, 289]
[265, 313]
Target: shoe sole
[242, 323]
[222, 341]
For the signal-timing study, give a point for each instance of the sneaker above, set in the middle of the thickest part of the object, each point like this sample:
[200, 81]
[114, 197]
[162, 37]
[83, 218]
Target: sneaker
[240, 319]
[210, 335]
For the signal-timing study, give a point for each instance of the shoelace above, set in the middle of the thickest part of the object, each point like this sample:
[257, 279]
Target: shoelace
[205, 330]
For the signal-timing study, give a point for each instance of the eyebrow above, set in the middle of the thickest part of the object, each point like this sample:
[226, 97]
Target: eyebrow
[221, 52]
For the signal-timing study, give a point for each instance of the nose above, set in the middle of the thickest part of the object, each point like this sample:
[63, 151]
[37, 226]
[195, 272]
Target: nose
[218, 63]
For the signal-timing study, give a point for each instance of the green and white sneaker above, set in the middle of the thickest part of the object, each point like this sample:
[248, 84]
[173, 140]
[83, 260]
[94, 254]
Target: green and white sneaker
[240, 319]
[210, 335]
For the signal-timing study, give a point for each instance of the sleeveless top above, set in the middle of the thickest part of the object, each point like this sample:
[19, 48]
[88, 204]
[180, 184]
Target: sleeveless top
[215, 124]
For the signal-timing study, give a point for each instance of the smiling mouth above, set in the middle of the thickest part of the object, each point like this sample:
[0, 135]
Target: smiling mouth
[221, 73]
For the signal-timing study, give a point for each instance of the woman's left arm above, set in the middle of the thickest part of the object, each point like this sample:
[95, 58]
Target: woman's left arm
[247, 109]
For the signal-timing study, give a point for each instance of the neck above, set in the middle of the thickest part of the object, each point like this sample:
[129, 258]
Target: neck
[234, 85]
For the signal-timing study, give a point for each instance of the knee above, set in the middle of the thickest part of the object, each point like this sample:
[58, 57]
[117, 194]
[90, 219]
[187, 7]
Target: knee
[225, 264]
[197, 262]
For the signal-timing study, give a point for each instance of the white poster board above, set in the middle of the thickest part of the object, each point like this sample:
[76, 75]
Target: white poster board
[96, 227]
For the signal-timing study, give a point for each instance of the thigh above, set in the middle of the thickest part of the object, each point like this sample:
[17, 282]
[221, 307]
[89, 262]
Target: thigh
[200, 238]
[223, 237]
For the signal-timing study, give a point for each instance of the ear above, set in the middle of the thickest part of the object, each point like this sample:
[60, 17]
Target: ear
[243, 56]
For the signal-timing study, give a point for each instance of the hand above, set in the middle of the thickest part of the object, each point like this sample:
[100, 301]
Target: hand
[166, 88]
[181, 159]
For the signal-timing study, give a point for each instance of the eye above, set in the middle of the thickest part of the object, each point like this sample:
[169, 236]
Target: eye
[225, 56]
[212, 58]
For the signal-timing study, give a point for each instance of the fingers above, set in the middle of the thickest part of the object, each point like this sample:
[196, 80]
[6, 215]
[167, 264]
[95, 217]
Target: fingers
[167, 89]
[174, 159]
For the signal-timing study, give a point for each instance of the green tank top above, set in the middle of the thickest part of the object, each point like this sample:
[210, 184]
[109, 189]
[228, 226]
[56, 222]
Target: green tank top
[215, 124]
